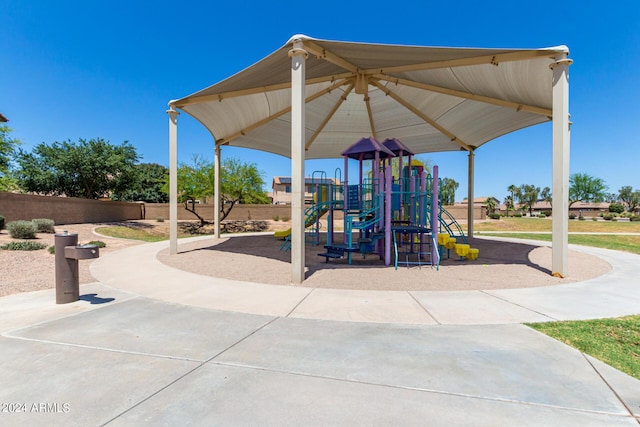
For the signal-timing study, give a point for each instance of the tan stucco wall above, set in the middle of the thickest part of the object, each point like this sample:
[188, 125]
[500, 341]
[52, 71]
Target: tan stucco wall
[66, 210]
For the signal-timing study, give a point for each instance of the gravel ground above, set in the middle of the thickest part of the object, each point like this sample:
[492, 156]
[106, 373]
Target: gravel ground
[26, 271]
[258, 259]
[500, 265]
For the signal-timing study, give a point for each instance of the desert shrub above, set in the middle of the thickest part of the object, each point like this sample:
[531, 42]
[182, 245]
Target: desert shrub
[542, 215]
[22, 229]
[276, 218]
[608, 217]
[572, 216]
[23, 246]
[635, 218]
[285, 218]
[1, 222]
[581, 218]
[494, 215]
[160, 219]
[52, 249]
[616, 208]
[98, 243]
[518, 215]
[44, 225]
[547, 213]
[594, 218]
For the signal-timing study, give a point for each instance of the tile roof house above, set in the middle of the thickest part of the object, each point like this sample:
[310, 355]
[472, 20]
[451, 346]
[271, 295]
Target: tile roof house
[281, 188]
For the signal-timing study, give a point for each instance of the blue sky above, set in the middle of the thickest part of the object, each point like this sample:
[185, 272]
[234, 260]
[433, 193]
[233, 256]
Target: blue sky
[89, 69]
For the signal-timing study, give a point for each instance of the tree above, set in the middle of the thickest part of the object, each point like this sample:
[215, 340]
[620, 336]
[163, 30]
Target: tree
[490, 205]
[8, 147]
[546, 195]
[147, 185]
[239, 183]
[527, 196]
[629, 197]
[512, 189]
[88, 169]
[508, 202]
[448, 191]
[586, 188]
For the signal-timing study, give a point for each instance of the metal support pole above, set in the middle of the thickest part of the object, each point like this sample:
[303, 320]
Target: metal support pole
[298, 56]
[560, 178]
[435, 211]
[216, 192]
[173, 179]
[470, 196]
[387, 217]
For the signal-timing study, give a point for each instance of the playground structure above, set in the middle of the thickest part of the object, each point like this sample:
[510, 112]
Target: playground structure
[400, 218]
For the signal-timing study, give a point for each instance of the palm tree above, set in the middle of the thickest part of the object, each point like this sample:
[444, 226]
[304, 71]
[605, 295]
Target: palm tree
[508, 201]
[490, 204]
[512, 189]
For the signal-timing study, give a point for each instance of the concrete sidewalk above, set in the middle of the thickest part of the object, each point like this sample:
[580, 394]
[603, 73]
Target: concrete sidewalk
[150, 345]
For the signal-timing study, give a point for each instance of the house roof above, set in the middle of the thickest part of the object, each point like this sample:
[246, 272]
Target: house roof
[3, 118]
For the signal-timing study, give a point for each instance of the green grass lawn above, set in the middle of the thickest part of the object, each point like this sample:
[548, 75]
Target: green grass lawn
[613, 341]
[615, 242]
[544, 224]
[123, 232]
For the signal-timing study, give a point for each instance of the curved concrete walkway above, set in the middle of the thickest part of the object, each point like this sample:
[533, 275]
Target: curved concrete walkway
[151, 345]
[617, 293]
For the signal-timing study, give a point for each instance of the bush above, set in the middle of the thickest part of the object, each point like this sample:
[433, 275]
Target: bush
[635, 218]
[285, 218]
[594, 218]
[547, 213]
[23, 246]
[22, 229]
[276, 218]
[44, 225]
[52, 249]
[572, 216]
[1, 222]
[608, 217]
[580, 218]
[98, 243]
[518, 215]
[160, 219]
[616, 208]
[494, 215]
[542, 215]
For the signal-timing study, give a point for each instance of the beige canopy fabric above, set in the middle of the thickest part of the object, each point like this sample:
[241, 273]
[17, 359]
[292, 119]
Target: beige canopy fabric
[430, 98]
[314, 98]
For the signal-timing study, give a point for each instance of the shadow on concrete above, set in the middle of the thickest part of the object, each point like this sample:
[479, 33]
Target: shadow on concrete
[95, 299]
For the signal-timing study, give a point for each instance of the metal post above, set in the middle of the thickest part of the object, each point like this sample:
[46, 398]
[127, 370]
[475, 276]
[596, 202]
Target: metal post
[298, 56]
[470, 196]
[387, 217]
[216, 192]
[560, 178]
[435, 211]
[173, 179]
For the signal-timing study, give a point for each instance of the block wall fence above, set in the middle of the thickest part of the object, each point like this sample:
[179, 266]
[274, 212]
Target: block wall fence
[68, 210]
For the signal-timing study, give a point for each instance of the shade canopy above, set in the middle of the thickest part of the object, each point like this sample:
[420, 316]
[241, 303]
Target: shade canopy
[313, 98]
[431, 98]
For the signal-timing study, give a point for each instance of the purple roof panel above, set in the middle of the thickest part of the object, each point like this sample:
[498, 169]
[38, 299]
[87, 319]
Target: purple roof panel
[367, 148]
